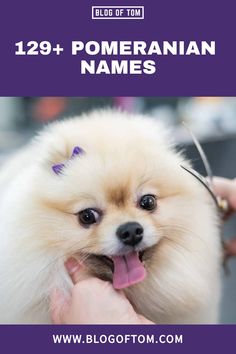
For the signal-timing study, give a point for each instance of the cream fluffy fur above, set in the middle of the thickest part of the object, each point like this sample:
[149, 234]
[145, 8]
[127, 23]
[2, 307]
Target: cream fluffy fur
[124, 154]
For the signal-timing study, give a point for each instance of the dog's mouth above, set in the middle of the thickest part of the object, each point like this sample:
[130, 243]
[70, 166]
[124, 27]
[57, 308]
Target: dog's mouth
[127, 269]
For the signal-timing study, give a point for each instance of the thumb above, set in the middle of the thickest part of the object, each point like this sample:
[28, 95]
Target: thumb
[59, 303]
[73, 267]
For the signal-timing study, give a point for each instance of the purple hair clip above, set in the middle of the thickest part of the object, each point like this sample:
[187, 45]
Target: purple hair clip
[77, 151]
[57, 168]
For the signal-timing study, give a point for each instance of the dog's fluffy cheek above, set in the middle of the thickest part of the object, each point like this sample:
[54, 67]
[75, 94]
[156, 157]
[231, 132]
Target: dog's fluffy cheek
[173, 295]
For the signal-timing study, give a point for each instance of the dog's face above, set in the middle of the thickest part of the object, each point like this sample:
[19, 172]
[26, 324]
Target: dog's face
[116, 206]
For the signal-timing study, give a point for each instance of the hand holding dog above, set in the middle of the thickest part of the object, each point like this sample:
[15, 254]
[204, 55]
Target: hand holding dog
[226, 188]
[92, 301]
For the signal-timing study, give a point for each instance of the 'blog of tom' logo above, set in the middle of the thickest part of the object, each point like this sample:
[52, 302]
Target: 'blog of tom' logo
[117, 12]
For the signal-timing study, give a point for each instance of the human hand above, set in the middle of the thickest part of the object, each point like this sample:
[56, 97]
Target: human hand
[92, 301]
[226, 189]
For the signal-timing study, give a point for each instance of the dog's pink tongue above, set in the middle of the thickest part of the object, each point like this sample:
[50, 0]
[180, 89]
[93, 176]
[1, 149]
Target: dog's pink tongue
[128, 270]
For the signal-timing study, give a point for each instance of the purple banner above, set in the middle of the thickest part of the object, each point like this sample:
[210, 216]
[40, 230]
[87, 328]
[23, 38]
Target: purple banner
[116, 339]
[174, 48]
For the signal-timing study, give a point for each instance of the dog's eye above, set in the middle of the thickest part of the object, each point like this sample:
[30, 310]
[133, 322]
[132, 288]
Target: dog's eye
[89, 216]
[148, 202]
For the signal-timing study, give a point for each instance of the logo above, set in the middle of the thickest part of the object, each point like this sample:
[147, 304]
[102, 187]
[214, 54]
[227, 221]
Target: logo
[117, 12]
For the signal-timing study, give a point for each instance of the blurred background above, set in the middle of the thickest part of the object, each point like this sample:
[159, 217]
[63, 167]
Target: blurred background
[211, 119]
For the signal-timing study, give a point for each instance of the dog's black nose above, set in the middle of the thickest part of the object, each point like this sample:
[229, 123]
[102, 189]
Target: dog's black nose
[130, 233]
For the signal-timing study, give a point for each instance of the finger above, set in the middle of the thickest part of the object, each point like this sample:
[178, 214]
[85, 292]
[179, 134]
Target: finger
[230, 248]
[59, 305]
[73, 268]
[226, 189]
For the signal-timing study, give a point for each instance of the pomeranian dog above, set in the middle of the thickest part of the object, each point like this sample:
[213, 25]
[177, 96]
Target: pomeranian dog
[107, 188]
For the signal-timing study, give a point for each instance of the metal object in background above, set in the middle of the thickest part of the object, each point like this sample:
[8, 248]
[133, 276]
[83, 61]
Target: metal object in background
[11, 112]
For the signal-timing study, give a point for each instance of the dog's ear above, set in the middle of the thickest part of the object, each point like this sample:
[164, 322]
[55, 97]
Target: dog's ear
[58, 167]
